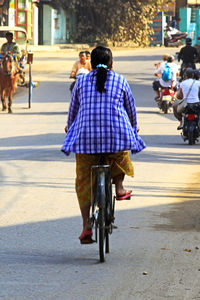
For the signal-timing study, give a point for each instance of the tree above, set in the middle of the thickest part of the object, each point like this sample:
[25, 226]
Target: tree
[112, 21]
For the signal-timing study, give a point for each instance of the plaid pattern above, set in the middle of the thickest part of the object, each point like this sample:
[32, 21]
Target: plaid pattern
[102, 122]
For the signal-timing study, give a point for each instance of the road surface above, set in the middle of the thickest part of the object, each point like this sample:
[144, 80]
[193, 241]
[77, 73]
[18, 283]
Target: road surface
[156, 248]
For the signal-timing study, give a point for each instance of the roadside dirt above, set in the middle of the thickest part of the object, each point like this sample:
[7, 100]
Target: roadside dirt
[184, 215]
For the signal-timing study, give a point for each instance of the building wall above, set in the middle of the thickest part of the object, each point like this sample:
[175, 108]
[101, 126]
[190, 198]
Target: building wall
[190, 24]
[59, 26]
[56, 24]
[48, 28]
[21, 14]
[35, 25]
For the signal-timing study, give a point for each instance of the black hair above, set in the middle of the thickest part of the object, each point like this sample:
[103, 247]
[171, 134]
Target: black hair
[87, 52]
[103, 56]
[82, 52]
[170, 58]
[9, 34]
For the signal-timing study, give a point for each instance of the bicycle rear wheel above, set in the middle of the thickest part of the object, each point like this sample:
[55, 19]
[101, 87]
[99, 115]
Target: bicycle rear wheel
[108, 211]
[101, 235]
[101, 192]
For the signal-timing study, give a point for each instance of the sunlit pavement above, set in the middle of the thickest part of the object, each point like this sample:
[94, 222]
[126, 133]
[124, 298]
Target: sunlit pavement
[155, 249]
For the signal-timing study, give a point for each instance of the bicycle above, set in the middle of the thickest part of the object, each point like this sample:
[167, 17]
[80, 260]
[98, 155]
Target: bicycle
[102, 207]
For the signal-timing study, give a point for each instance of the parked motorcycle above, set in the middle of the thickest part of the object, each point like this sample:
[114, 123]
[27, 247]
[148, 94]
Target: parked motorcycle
[166, 99]
[173, 37]
[191, 123]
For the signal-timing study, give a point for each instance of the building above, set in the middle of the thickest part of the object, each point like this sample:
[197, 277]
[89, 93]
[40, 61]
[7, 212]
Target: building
[45, 24]
[55, 24]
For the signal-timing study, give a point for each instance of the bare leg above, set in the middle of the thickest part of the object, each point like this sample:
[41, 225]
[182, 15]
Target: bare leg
[85, 212]
[157, 94]
[118, 181]
[177, 115]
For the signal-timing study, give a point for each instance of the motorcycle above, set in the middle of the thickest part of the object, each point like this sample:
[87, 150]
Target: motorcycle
[81, 72]
[184, 66]
[166, 99]
[173, 37]
[191, 123]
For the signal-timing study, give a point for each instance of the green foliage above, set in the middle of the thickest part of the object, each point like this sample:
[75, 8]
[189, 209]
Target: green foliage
[116, 22]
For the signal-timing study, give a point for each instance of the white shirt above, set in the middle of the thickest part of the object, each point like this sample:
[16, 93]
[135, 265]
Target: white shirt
[193, 96]
[82, 71]
[174, 70]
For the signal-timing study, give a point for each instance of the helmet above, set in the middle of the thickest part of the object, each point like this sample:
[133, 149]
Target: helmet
[189, 73]
[188, 41]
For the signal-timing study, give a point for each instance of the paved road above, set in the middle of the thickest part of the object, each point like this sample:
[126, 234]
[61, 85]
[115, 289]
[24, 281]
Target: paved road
[158, 230]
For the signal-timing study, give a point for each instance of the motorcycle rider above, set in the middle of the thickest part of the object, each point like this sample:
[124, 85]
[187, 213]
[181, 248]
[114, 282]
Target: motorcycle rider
[189, 55]
[164, 60]
[190, 89]
[159, 84]
[82, 64]
[87, 53]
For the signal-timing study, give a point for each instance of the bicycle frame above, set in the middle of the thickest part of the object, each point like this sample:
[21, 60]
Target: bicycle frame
[102, 172]
[102, 215]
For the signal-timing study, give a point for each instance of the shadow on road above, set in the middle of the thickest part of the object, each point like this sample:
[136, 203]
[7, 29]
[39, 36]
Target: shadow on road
[136, 58]
[30, 149]
[45, 257]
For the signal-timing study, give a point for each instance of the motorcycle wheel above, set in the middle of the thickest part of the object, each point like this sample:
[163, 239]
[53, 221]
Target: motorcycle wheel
[165, 107]
[165, 42]
[191, 140]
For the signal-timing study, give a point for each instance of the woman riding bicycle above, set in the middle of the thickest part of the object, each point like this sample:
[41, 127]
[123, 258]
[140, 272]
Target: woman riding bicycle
[101, 120]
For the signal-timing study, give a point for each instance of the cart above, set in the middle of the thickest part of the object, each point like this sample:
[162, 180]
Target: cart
[20, 37]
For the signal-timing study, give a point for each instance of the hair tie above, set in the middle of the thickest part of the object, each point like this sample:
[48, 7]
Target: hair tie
[102, 66]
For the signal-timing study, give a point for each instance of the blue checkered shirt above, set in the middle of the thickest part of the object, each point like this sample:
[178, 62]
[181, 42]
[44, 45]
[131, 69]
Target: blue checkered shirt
[102, 122]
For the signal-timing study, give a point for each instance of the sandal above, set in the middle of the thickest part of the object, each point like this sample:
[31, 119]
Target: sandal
[180, 127]
[86, 237]
[126, 196]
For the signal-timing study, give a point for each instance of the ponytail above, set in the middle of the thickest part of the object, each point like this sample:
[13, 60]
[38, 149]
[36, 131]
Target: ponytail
[101, 77]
